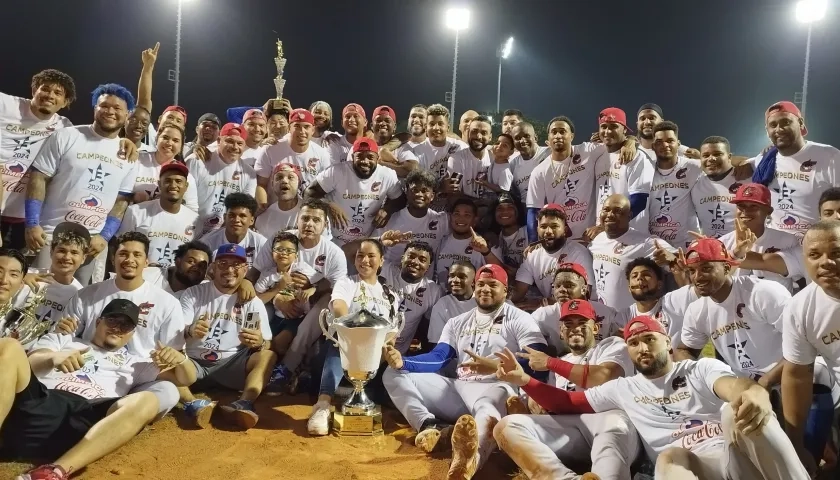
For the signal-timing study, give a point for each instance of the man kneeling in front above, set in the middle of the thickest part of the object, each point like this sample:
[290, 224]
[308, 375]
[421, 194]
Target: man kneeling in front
[70, 398]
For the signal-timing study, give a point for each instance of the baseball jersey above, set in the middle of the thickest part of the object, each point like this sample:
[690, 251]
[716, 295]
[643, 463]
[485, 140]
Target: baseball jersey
[430, 228]
[612, 177]
[610, 258]
[359, 199]
[671, 212]
[416, 303]
[669, 311]
[746, 328]
[446, 308]
[711, 202]
[148, 176]
[522, 169]
[320, 140]
[166, 231]
[452, 250]
[770, 242]
[811, 323]
[86, 174]
[311, 162]
[679, 409]
[571, 183]
[105, 373]
[548, 319]
[610, 349]
[360, 295]
[21, 136]
[215, 180]
[538, 269]
[252, 243]
[486, 334]
[798, 182]
[227, 318]
[160, 314]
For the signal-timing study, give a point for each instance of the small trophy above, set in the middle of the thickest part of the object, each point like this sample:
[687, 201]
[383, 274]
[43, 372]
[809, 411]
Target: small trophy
[22, 323]
[279, 81]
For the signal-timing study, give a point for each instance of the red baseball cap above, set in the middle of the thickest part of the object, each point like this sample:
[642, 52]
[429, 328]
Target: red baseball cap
[233, 129]
[642, 324]
[301, 115]
[286, 165]
[174, 166]
[492, 271]
[614, 115]
[364, 144]
[753, 192]
[353, 107]
[573, 267]
[176, 108]
[707, 250]
[577, 307]
[253, 113]
[384, 110]
[785, 107]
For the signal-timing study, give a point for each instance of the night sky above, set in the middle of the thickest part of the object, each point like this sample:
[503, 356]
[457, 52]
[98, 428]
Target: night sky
[713, 66]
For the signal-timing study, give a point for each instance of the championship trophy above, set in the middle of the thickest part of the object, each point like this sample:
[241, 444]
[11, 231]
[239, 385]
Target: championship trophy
[279, 81]
[359, 337]
[22, 323]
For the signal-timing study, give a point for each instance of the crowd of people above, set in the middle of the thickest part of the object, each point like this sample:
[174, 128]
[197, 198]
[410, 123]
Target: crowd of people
[557, 292]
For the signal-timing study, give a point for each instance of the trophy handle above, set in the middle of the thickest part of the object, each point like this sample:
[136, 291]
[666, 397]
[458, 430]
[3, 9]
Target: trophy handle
[325, 321]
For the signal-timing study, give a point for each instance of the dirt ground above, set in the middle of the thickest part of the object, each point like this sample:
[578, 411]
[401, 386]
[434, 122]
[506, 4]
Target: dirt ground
[278, 447]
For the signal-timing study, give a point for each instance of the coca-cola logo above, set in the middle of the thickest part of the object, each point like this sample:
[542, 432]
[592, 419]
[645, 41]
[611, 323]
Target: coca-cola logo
[695, 433]
[92, 222]
[578, 215]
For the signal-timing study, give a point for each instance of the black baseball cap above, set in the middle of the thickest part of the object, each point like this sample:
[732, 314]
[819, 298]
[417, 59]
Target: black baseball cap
[209, 117]
[651, 106]
[72, 227]
[122, 307]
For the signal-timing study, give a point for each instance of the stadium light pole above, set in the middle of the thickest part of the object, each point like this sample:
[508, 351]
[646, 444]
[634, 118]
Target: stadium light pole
[456, 19]
[504, 52]
[176, 77]
[809, 11]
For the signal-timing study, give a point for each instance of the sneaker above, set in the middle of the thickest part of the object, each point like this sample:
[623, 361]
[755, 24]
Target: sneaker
[200, 411]
[319, 421]
[434, 436]
[280, 377]
[464, 449]
[242, 412]
[44, 472]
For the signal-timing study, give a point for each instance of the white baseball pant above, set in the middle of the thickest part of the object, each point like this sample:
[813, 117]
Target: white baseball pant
[423, 396]
[540, 444]
[766, 455]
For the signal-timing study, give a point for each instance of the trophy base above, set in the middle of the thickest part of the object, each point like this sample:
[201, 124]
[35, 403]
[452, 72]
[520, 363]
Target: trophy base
[358, 425]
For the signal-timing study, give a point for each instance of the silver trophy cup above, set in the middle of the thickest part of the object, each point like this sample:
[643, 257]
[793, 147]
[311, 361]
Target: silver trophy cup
[359, 337]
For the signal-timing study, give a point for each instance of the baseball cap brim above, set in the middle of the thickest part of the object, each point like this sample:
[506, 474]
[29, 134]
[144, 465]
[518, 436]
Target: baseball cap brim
[71, 227]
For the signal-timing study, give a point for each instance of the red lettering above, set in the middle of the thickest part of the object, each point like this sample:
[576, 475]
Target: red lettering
[578, 215]
[705, 432]
[89, 221]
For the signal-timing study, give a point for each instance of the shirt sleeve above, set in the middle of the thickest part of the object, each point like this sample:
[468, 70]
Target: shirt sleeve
[692, 334]
[535, 198]
[605, 396]
[130, 178]
[527, 331]
[264, 262]
[51, 341]
[524, 274]
[328, 179]
[795, 345]
[639, 176]
[506, 182]
[396, 188]
[770, 298]
[48, 158]
[344, 289]
[171, 332]
[706, 372]
[75, 310]
[262, 164]
[191, 195]
[335, 267]
[437, 320]
[188, 306]
[251, 185]
[129, 221]
[264, 283]
[793, 261]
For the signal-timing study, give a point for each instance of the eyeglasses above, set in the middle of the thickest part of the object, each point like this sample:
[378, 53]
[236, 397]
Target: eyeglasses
[120, 323]
[223, 265]
[284, 251]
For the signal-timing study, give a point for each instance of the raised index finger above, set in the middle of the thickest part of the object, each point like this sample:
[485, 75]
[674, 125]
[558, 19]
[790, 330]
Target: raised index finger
[157, 47]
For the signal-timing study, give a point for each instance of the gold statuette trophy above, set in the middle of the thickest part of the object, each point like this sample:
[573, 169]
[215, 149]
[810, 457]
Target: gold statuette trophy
[22, 323]
[359, 337]
[279, 81]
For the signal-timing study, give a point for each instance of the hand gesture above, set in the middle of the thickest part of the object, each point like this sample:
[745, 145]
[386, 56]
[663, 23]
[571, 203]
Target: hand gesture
[245, 291]
[97, 245]
[744, 240]
[338, 217]
[535, 408]
[392, 356]
[70, 361]
[589, 234]
[166, 358]
[31, 280]
[628, 151]
[268, 141]
[201, 152]
[752, 410]
[509, 369]
[661, 256]
[532, 247]
[251, 337]
[449, 185]
[66, 326]
[692, 153]
[385, 155]
[380, 220]
[478, 243]
[394, 237]
[285, 284]
[743, 171]
[288, 306]
[35, 238]
[128, 151]
[149, 55]
[479, 365]
[679, 270]
[201, 328]
[537, 360]
[595, 137]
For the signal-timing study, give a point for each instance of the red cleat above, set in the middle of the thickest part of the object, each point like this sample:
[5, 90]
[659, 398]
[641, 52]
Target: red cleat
[45, 472]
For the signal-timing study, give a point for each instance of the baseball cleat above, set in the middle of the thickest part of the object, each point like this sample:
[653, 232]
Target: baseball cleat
[464, 449]
[434, 436]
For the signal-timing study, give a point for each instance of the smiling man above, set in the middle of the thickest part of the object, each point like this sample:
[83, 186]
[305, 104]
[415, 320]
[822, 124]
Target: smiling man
[240, 211]
[401, 159]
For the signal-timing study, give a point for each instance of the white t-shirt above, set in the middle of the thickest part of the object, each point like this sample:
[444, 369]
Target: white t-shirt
[650, 153]
[746, 328]
[512, 247]
[252, 243]
[159, 277]
[771, 241]
[250, 155]
[610, 258]
[452, 250]
[610, 349]
[274, 220]
[434, 159]
[671, 212]
[522, 169]
[571, 183]
[326, 258]
[227, 318]
[711, 202]
[160, 314]
[215, 180]
[267, 281]
[320, 140]
[359, 199]
[679, 409]
[430, 228]
[311, 162]
[538, 269]
[86, 177]
[148, 175]
[446, 308]
[485, 335]
[338, 148]
[472, 169]
[799, 181]
[417, 301]
[811, 323]
[669, 311]
[548, 319]
[611, 177]
[55, 299]
[166, 231]
[105, 374]
[360, 295]
[21, 136]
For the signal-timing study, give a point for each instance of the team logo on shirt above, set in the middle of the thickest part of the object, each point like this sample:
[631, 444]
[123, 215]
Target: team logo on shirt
[619, 247]
[420, 291]
[807, 166]
[164, 254]
[601, 283]
[570, 185]
[576, 159]
[785, 201]
[96, 182]
[190, 230]
[739, 310]
[210, 355]
[718, 217]
[375, 187]
[236, 175]
[22, 148]
[433, 225]
[678, 383]
[249, 252]
[791, 222]
[16, 170]
[237, 309]
[734, 187]
[570, 202]
[468, 250]
[520, 242]
[320, 260]
[743, 359]
[359, 213]
[681, 173]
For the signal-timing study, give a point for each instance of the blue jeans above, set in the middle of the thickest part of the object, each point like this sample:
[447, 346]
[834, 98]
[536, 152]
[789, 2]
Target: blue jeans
[332, 373]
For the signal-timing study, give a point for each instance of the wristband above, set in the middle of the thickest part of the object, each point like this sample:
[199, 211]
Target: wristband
[112, 225]
[32, 207]
[560, 367]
